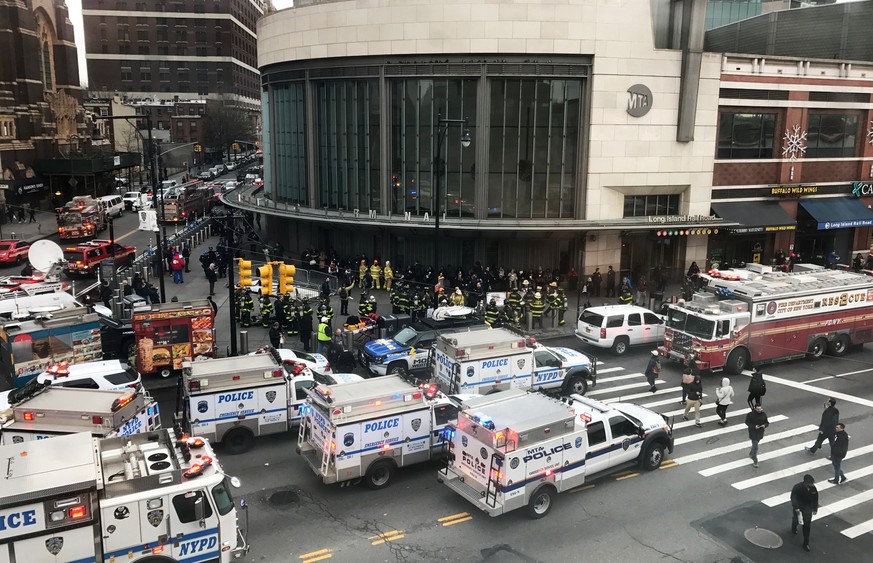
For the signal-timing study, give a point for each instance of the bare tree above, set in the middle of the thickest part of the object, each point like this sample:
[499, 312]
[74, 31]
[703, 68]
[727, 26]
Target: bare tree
[224, 123]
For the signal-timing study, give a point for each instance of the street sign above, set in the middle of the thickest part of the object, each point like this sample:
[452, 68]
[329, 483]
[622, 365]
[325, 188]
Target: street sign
[148, 220]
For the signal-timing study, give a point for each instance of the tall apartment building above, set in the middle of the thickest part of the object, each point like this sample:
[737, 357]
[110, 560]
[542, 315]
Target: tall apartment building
[165, 48]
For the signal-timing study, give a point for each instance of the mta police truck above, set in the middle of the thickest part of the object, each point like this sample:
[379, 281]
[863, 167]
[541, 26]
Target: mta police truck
[495, 360]
[234, 400]
[366, 430]
[51, 411]
[147, 497]
[515, 449]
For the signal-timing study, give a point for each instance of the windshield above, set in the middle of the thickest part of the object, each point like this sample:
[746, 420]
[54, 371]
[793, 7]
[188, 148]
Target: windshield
[699, 327]
[73, 256]
[222, 497]
[676, 319]
[70, 219]
[5, 245]
[405, 336]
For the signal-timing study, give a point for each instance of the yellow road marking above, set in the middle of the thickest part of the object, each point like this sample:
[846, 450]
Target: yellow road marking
[582, 488]
[623, 477]
[125, 235]
[321, 552]
[454, 519]
[387, 536]
[620, 473]
[668, 464]
[320, 558]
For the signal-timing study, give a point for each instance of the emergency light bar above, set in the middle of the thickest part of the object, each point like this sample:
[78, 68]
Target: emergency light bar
[123, 401]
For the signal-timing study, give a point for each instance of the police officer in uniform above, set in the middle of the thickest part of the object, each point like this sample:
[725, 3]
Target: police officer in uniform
[491, 313]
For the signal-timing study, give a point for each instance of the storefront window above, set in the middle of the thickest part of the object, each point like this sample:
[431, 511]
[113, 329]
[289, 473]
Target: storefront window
[746, 135]
[289, 154]
[646, 205]
[348, 144]
[831, 135]
[533, 144]
[414, 107]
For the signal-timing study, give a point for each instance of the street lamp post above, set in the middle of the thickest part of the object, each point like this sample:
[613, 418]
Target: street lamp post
[442, 127]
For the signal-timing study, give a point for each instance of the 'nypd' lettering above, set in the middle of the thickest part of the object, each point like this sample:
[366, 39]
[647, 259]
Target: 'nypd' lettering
[234, 397]
[133, 426]
[495, 363]
[15, 520]
[381, 425]
[197, 546]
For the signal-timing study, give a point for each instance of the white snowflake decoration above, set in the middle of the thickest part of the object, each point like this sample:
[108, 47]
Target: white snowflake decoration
[795, 143]
[870, 133]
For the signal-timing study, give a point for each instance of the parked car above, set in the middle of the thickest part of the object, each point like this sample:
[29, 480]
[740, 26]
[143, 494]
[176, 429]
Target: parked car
[620, 326]
[13, 251]
[206, 175]
[84, 259]
[114, 205]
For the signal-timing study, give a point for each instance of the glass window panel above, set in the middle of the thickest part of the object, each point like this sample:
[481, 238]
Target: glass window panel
[746, 135]
[831, 135]
[289, 152]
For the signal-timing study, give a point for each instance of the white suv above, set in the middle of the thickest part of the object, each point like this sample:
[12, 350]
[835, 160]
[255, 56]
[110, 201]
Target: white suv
[620, 326]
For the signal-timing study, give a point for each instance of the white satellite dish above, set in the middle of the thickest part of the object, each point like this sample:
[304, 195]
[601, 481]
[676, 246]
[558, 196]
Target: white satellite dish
[45, 254]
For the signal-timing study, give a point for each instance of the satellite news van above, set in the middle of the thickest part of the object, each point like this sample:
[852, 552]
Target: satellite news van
[147, 497]
[54, 411]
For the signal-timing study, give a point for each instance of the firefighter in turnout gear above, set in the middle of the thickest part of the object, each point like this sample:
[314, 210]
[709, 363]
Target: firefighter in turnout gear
[537, 308]
[491, 313]
[266, 311]
[376, 273]
[372, 305]
[509, 315]
[458, 298]
[557, 302]
[364, 306]
[389, 275]
[362, 271]
[625, 295]
[512, 299]
[282, 309]
[303, 307]
[290, 316]
[246, 308]
[325, 310]
[238, 302]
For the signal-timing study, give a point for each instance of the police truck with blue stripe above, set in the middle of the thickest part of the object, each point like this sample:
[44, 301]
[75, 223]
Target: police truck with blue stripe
[516, 449]
[495, 360]
[367, 430]
[142, 498]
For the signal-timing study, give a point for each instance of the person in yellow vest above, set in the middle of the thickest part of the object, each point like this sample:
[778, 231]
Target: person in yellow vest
[457, 297]
[323, 336]
[362, 271]
[389, 275]
[375, 272]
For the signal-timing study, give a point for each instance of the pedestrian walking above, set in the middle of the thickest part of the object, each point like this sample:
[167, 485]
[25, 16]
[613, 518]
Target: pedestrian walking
[32, 213]
[695, 399]
[804, 504]
[277, 339]
[212, 276]
[756, 422]
[687, 379]
[723, 399]
[653, 370]
[177, 264]
[610, 282]
[757, 389]
[827, 428]
[186, 255]
[839, 449]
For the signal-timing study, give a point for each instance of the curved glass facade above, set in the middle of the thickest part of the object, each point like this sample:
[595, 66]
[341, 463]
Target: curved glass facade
[362, 137]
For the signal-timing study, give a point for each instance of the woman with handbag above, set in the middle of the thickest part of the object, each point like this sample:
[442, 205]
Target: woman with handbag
[723, 396]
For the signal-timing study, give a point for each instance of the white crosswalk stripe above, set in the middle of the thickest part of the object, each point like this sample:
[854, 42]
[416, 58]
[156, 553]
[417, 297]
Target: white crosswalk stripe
[858, 530]
[762, 456]
[680, 412]
[623, 387]
[617, 378]
[802, 468]
[704, 419]
[608, 370]
[822, 485]
[708, 454]
[626, 398]
[673, 401]
[719, 431]
[843, 504]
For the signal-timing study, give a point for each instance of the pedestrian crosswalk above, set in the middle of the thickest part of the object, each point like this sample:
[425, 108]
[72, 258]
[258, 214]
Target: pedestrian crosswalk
[721, 451]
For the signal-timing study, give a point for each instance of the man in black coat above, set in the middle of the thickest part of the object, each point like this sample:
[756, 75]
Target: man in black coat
[827, 427]
[276, 335]
[304, 325]
[610, 282]
[804, 503]
[839, 449]
[757, 422]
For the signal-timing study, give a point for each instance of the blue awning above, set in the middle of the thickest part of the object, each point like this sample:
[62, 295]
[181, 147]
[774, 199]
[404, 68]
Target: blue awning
[838, 212]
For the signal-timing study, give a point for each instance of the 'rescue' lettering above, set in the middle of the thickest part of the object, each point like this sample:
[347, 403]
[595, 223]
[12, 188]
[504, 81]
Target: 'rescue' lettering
[381, 425]
[15, 520]
[197, 546]
[495, 363]
[234, 397]
[541, 452]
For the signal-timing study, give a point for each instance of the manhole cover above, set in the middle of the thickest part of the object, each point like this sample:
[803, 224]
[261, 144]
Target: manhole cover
[763, 538]
[281, 498]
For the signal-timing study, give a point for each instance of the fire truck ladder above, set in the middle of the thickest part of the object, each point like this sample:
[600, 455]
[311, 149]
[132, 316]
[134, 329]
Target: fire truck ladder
[493, 480]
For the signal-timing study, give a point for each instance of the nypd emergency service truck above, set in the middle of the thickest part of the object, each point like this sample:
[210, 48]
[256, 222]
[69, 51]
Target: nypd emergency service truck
[366, 430]
[54, 411]
[515, 449]
[233, 400]
[147, 497]
[494, 360]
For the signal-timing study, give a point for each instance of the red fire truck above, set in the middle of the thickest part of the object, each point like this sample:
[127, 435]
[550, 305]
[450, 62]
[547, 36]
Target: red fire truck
[184, 203]
[756, 316]
[81, 217]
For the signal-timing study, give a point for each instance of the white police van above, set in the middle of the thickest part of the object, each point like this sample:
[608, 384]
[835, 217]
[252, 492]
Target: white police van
[366, 430]
[494, 360]
[51, 411]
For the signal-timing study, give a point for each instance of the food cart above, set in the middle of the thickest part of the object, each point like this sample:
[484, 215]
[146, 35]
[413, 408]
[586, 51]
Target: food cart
[168, 334]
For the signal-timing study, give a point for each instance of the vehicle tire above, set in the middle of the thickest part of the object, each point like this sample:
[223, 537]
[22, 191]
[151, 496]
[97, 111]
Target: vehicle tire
[237, 441]
[652, 457]
[18, 260]
[737, 361]
[380, 474]
[817, 349]
[165, 372]
[620, 346]
[840, 345]
[397, 368]
[577, 384]
[541, 502]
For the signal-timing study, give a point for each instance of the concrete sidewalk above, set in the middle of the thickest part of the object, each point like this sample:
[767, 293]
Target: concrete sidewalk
[46, 225]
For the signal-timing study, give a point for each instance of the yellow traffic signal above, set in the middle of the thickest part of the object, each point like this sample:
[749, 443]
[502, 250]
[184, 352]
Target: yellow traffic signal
[266, 274]
[245, 272]
[286, 277]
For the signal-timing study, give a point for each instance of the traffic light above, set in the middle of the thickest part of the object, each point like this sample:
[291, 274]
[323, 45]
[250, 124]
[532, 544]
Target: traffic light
[266, 274]
[198, 148]
[286, 277]
[245, 272]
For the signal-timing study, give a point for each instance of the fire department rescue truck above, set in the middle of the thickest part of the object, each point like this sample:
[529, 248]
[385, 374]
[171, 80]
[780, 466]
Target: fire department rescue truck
[366, 430]
[232, 400]
[517, 449]
[758, 316]
[147, 497]
[81, 217]
[495, 360]
[49, 411]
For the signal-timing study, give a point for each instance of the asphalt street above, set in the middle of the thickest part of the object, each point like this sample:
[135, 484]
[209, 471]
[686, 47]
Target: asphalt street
[697, 508]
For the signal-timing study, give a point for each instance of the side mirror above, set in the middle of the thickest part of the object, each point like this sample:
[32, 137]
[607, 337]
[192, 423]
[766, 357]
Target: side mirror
[200, 511]
[235, 482]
